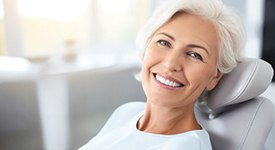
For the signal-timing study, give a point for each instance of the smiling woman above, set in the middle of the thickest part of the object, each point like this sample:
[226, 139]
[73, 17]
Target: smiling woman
[185, 57]
[185, 47]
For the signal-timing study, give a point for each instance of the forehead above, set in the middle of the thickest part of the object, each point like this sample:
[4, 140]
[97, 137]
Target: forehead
[187, 27]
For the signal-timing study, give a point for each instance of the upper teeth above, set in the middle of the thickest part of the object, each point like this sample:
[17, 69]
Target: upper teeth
[167, 82]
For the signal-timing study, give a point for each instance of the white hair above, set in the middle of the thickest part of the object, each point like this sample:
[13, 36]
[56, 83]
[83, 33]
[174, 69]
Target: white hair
[225, 19]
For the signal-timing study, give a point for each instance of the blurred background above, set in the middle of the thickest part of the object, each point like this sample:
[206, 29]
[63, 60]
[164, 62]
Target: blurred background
[65, 65]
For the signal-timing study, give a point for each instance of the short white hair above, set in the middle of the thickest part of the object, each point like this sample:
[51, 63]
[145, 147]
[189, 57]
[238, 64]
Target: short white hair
[229, 27]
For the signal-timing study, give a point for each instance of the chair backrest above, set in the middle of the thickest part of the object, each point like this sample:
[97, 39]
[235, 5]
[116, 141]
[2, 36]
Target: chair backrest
[234, 114]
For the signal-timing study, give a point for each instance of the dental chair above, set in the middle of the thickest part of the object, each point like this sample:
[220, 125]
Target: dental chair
[234, 114]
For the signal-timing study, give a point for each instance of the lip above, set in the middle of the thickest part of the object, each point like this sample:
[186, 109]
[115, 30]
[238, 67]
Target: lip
[168, 78]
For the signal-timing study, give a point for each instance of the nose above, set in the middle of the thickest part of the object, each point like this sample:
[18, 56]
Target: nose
[172, 62]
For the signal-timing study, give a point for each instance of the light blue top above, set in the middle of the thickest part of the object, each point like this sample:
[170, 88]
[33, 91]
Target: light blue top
[120, 133]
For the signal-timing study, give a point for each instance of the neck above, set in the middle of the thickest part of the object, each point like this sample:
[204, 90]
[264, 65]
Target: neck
[165, 120]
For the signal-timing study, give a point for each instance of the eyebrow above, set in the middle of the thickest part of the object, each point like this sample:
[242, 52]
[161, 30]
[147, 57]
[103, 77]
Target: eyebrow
[198, 46]
[189, 45]
[168, 35]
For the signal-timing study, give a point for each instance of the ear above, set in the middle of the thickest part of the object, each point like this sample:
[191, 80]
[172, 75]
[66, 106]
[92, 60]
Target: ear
[214, 81]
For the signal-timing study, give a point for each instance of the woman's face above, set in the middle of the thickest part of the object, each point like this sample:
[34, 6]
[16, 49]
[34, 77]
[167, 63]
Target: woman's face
[180, 61]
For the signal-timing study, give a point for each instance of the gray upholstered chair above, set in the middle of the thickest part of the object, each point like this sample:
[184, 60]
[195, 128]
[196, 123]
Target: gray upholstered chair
[234, 114]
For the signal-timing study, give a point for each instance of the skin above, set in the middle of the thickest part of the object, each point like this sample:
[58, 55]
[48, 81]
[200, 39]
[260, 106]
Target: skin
[184, 50]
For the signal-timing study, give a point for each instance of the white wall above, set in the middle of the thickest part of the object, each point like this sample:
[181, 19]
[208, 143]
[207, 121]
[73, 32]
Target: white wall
[253, 23]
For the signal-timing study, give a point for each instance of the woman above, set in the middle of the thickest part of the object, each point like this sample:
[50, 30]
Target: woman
[186, 47]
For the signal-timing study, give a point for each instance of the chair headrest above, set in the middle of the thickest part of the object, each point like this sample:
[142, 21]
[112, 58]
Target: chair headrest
[248, 80]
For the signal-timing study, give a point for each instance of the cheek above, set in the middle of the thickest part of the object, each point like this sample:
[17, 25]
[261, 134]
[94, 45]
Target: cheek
[151, 58]
[145, 73]
[199, 74]
[150, 61]
[144, 82]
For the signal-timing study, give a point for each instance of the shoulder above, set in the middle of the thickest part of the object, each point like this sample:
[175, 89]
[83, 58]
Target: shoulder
[201, 137]
[126, 112]
[204, 140]
[195, 140]
[131, 108]
[122, 115]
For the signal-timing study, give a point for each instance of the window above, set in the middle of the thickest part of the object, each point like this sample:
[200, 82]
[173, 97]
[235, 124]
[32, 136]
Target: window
[53, 26]
[2, 50]
[49, 27]
[118, 22]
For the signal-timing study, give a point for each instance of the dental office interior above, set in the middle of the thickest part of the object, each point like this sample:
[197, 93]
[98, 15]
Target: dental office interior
[65, 65]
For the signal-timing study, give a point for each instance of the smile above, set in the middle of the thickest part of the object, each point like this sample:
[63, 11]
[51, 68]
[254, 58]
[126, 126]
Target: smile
[168, 82]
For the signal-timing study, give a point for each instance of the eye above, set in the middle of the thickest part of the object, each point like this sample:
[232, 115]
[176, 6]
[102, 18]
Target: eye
[195, 55]
[164, 43]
